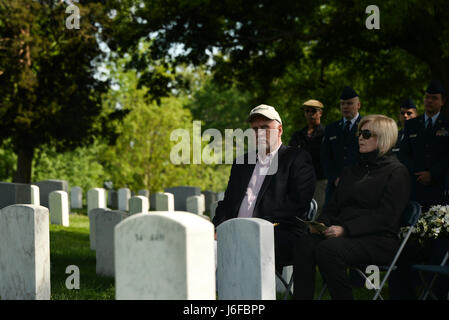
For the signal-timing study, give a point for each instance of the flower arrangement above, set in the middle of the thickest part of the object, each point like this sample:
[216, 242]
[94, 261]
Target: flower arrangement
[431, 224]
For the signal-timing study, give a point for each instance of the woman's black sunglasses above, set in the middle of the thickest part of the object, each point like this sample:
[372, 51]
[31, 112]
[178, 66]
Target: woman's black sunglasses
[366, 134]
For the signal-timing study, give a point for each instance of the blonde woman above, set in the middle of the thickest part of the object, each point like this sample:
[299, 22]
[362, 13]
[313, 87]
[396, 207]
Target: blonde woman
[362, 217]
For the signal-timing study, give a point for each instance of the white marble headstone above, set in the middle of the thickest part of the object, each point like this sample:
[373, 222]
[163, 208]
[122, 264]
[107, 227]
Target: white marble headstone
[202, 203]
[165, 201]
[209, 197]
[47, 186]
[245, 258]
[123, 197]
[59, 208]
[92, 214]
[287, 272]
[105, 223]
[15, 193]
[104, 197]
[35, 195]
[24, 253]
[165, 256]
[138, 204]
[195, 204]
[76, 198]
[95, 199]
[181, 194]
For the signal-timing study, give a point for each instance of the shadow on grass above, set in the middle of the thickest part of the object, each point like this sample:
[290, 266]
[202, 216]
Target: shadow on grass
[64, 238]
[71, 246]
[358, 292]
[82, 211]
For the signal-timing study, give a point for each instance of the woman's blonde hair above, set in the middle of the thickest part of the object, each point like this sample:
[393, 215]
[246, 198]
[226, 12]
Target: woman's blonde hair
[385, 129]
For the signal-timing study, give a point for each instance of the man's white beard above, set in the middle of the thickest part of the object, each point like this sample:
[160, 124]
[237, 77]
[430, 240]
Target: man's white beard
[264, 146]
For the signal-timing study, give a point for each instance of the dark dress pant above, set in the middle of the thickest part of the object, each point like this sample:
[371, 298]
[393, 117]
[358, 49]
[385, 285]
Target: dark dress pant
[333, 256]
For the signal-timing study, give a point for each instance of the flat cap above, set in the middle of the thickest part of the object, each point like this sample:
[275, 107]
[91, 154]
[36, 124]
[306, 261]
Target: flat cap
[313, 103]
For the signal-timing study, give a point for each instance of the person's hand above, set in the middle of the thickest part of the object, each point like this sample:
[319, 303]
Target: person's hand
[215, 235]
[315, 231]
[334, 232]
[424, 177]
[337, 181]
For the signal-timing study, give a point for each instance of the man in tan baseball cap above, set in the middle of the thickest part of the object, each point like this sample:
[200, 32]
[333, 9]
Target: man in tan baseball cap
[267, 124]
[265, 110]
[278, 196]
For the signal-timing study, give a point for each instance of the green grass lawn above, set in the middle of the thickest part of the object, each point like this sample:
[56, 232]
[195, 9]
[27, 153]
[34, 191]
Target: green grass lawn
[71, 246]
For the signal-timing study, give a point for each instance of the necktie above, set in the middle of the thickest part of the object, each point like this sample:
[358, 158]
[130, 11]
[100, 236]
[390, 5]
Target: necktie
[428, 131]
[346, 129]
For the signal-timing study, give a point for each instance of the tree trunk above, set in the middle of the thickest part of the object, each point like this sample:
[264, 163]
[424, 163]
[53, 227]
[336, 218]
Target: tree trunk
[24, 163]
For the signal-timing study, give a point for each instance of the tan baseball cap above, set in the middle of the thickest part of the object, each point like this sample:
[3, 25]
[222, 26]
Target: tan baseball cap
[266, 111]
[314, 103]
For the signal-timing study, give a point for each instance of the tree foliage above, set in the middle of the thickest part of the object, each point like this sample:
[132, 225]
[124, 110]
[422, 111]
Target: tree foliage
[221, 108]
[140, 159]
[79, 167]
[50, 95]
[262, 46]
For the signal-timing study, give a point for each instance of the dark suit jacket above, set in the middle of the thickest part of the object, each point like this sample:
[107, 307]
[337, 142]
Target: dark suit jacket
[283, 195]
[337, 153]
[426, 153]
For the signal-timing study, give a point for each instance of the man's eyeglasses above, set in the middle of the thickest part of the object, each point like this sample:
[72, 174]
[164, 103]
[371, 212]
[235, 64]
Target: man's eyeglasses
[409, 113]
[366, 134]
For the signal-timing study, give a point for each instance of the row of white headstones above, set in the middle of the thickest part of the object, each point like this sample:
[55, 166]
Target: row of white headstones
[152, 255]
[96, 198]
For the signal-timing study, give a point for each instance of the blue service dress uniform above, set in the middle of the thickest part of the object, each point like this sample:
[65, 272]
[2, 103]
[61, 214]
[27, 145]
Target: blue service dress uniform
[338, 151]
[423, 150]
[397, 146]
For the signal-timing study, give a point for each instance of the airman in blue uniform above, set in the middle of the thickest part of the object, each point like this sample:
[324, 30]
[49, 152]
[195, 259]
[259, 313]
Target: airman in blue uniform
[425, 148]
[408, 111]
[425, 151]
[340, 143]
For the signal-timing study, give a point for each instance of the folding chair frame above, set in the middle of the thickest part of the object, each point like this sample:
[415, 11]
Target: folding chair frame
[428, 288]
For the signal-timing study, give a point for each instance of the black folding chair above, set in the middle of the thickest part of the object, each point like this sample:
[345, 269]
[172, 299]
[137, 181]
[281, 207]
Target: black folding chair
[408, 219]
[311, 216]
[437, 270]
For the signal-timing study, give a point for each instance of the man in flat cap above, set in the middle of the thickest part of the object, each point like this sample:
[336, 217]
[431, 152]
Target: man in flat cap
[340, 143]
[425, 152]
[254, 190]
[425, 147]
[407, 111]
[309, 138]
